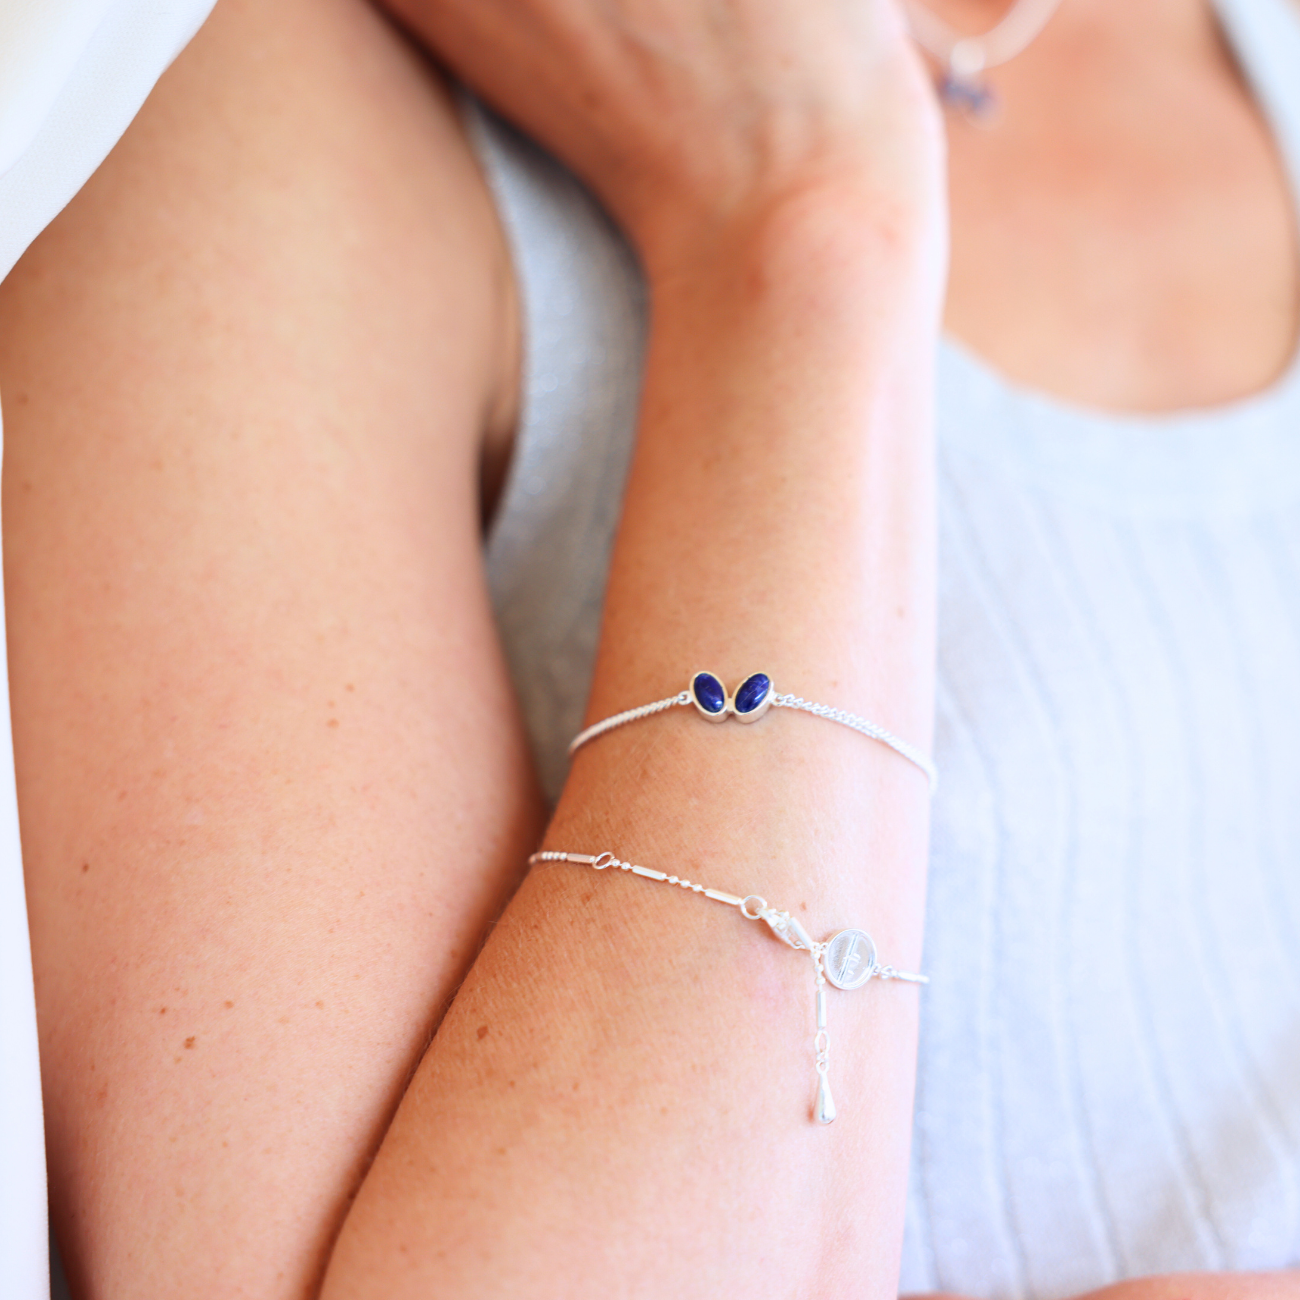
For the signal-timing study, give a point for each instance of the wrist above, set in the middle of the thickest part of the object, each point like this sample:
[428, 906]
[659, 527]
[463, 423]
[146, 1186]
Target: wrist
[844, 209]
[848, 256]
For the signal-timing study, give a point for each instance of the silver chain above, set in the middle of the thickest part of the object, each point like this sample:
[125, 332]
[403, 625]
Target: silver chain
[863, 726]
[628, 715]
[821, 1039]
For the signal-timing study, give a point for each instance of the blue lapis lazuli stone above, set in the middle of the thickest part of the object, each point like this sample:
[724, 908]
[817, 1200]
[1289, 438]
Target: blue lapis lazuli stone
[709, 693]
[753, 691]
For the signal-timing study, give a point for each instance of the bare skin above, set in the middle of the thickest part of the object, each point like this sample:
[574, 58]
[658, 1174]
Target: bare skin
[176, 317]
[262, 840]
[611, 1038]
[401, 1205]
[1124, 237]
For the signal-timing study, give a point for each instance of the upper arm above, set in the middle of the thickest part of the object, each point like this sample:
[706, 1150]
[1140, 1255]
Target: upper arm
[271, 780]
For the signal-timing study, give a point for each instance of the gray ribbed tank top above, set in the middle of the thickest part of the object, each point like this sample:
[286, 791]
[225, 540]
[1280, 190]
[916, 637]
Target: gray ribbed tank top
[1109, 1075]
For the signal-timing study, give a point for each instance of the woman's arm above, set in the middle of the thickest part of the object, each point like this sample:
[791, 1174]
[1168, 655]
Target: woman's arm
[272, 781]
[619, 1099]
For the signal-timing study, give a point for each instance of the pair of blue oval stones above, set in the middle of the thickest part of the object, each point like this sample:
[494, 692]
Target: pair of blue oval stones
[752, 699]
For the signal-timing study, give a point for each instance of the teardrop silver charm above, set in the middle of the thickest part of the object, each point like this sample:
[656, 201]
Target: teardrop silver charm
[824, 1111]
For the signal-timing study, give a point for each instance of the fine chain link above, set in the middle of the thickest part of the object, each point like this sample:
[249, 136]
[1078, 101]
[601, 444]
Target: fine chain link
[602, 861]
[628, 715]
[863, 727]
[821, 1039]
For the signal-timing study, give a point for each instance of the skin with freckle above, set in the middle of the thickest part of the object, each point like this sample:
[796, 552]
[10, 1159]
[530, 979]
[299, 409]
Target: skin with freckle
[241, 525]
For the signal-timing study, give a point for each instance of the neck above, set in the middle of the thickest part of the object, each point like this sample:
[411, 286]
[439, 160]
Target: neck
[1082, 32]
[1190, 19]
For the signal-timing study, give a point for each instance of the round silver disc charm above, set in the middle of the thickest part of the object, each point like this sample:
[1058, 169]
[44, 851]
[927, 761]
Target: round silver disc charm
[850, 959]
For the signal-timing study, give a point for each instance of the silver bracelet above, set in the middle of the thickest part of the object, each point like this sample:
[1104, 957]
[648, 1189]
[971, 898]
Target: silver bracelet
[752, 698]
[848, 960]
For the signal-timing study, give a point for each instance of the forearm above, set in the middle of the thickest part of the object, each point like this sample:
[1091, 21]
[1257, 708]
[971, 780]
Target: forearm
[619, 1099]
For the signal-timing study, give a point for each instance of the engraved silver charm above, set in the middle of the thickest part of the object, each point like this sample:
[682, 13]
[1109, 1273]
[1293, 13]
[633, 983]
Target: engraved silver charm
[850, 959]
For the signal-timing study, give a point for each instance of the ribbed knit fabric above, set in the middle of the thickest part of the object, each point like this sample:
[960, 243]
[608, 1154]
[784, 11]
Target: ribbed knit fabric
[1109, 1079]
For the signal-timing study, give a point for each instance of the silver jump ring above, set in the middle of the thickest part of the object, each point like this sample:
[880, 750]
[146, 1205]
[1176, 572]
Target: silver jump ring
[604, 860]
[758, 912]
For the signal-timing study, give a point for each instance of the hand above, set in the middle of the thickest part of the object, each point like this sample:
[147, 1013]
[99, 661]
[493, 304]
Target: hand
[686, 115]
